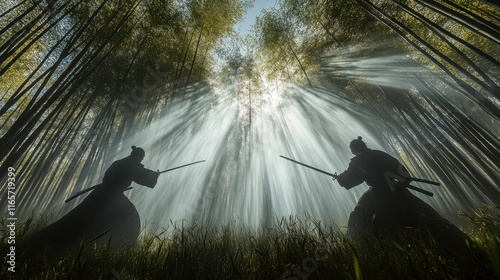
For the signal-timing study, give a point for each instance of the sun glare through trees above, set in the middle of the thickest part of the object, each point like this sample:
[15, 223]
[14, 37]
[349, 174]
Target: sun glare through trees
[81, 82]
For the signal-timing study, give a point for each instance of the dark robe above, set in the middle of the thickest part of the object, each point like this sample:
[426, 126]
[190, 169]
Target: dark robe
[106, 215]
[388, 207]
[388, 211]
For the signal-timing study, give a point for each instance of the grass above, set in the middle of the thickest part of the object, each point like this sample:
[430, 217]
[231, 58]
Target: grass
[294, 249]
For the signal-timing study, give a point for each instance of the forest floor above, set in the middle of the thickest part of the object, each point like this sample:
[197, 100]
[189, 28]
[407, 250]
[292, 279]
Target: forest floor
[294, 249]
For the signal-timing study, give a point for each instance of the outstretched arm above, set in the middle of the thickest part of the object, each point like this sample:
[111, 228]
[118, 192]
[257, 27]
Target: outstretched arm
[350, 178]
[147, 178]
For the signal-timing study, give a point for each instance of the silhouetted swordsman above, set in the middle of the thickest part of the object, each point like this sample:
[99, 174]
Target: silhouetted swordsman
[106, 212]
[123, 172]
[388, 207]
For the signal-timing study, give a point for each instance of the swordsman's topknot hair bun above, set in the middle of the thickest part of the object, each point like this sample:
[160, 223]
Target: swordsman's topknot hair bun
[358, 144]
[137, 152]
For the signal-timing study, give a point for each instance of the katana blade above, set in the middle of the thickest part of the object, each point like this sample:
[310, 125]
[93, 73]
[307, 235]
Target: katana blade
[311, 167]
[180, 166]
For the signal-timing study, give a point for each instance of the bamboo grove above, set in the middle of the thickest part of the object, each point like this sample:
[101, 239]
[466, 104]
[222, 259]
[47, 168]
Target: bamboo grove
[77, 78]
[454, 136]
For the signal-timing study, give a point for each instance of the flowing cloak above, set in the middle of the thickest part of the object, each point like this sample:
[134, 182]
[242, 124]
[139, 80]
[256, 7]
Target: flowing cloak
[388, 207]
[105, 214]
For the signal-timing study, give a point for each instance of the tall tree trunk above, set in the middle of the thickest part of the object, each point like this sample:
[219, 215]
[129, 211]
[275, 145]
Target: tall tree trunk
[300, 64]
[194, 56]
[183, 63]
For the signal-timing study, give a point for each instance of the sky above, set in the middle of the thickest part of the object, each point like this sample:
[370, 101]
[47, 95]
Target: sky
[252, 13]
